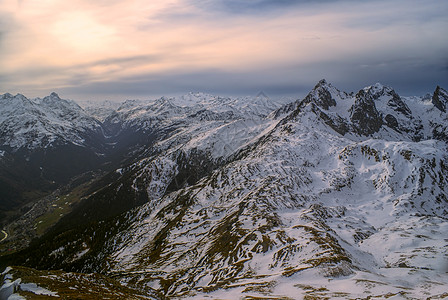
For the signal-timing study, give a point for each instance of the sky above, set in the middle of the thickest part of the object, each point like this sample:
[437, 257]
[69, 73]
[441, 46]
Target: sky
[113, 49]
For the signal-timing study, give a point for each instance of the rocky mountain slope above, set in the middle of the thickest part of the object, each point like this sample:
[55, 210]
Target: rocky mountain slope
[336, 195]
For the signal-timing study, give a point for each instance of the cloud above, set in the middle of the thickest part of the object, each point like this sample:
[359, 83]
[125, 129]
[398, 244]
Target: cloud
[118, 48]
[209, 80]
[258, 6]
[409, 76]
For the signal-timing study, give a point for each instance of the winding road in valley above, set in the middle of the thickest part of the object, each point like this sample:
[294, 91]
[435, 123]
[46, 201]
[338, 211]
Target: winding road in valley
[5, 235]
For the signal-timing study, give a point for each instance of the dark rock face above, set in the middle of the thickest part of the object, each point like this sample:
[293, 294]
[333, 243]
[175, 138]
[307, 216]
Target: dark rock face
[191, 168]
[322, 96]
[398, 105]
[365, 117]
[440, 99]
[285, 109]
[392, 122]
[337, 123]
[440, 133]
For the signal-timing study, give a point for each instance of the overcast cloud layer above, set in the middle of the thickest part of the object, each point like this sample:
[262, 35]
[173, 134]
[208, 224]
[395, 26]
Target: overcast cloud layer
[116, 49]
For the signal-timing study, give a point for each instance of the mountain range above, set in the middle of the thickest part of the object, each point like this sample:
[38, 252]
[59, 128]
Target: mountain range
[334, 195]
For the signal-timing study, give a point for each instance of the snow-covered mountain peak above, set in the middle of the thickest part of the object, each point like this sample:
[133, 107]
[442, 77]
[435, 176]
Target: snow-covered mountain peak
[6, 96]
[386, 94]
[128, 104]
[17, 104]
[41, 122]
[193, 99]
[376, 89]
[100, 110]
[377, 111]
[55, 102]
[322, 82]
[11, 100]
[53, 98]
[325, 95]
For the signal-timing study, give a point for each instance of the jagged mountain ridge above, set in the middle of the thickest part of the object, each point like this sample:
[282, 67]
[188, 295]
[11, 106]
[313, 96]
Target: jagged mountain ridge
[40, 123]
[38, 135]
[376, 111]
[310, 196]
[194, 114]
